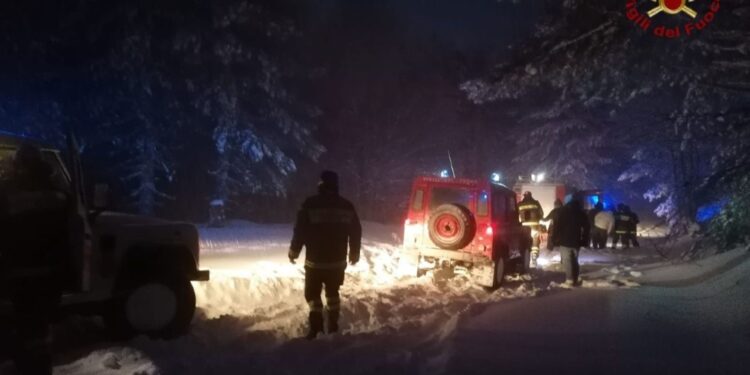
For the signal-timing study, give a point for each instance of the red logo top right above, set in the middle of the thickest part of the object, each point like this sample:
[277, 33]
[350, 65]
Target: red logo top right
[672, 18]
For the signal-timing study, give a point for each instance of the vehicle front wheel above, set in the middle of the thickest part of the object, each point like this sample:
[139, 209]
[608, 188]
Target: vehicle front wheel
[159, 306]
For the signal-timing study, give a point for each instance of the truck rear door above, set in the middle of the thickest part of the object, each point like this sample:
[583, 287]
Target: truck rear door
[505, 215]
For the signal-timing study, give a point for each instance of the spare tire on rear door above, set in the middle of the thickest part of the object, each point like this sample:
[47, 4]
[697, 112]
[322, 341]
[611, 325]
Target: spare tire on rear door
[452, 226]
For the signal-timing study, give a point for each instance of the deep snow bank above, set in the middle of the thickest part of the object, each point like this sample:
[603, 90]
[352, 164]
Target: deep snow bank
[252, 313]
[377, 296]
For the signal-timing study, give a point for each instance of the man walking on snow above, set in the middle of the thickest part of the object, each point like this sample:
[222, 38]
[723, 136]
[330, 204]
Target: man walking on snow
[571, 232]
[325, 225]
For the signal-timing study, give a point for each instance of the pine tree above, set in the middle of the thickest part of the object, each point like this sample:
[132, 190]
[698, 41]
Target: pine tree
[589, 59]
[259, 125]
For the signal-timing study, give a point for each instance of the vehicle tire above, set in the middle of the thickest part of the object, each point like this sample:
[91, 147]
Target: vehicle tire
[500, 270]
[524, 263]
[159, 306]
[452, 227]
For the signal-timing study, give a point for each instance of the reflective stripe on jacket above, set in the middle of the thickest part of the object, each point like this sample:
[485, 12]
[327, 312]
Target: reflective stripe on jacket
[622, 222]
[530, 211]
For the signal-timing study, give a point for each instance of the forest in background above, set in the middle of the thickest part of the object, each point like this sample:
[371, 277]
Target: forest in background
[179, 103]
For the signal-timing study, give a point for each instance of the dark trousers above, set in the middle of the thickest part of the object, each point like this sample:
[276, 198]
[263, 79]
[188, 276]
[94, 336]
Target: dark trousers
[550, 234]
[599, 238]
[621, 236]
[316, 280]
[34, 307]
[633, 237]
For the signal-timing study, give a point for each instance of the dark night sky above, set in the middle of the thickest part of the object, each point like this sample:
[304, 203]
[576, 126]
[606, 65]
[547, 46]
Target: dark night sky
[483, 24]
[469, 25]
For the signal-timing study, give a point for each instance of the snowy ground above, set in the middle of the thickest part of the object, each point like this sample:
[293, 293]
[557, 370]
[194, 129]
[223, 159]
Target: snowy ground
[700, 324]
[251, 315]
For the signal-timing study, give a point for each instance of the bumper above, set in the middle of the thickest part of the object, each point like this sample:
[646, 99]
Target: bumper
[201, 275]
[445, 254]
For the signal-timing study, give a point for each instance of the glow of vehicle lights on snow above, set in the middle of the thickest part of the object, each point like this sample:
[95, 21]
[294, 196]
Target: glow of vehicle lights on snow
[380, 269]
[544, 261]
[538, 177]
[258, 270]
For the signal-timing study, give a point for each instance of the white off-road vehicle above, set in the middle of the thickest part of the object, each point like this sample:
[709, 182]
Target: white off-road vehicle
[134, 271]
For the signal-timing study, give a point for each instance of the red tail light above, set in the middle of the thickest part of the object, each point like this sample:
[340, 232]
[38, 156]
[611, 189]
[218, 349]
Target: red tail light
[489, 231]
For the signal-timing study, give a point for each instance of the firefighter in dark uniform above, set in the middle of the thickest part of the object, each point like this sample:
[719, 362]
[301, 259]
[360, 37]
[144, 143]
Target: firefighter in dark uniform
[632, 226]
[531, 214]
[325, 225]
[622, 227]
[33, 226]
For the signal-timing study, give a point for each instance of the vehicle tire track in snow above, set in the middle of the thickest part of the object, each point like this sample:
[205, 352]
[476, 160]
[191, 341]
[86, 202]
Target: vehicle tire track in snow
[252, 313]
[251, 321]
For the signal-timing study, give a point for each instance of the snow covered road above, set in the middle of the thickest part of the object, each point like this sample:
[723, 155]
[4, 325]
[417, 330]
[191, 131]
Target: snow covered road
[252, 313]
[703, 328]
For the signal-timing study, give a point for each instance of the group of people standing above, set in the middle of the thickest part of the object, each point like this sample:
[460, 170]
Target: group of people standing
[327, 226]
[622, 224]
[571, 228]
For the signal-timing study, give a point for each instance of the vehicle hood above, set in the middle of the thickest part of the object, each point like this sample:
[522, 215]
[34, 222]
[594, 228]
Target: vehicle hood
[143, 230]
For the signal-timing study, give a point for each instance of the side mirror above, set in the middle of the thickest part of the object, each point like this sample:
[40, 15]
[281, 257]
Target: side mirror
[101, 196]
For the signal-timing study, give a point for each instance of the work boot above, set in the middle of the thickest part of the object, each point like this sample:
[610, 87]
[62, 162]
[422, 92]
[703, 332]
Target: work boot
[316, 325]
[333, 321]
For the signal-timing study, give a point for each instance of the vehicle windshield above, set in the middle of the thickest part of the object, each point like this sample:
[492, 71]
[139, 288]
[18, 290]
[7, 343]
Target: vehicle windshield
[445, 195]
[59, 175]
